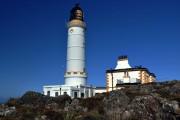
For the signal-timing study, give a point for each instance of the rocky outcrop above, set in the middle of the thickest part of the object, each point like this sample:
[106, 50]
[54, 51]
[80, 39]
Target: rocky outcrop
[145, 107]
[157, 101]
[6, 110]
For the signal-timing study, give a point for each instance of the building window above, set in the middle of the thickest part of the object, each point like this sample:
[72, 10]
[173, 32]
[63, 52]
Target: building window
[126, 74]
[56, 94]
[48, 93]
[75, 94]
[60, 91]
[82, 95]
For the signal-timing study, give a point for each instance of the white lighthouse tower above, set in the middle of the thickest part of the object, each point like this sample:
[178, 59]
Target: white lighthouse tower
[75, 69]
[75, 75]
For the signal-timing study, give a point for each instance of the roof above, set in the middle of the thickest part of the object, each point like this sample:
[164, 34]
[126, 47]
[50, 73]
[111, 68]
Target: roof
[122, 57]
[130, 69]
[100, 87]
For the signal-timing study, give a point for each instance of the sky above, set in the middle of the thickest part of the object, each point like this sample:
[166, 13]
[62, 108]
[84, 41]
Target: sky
[33, 40]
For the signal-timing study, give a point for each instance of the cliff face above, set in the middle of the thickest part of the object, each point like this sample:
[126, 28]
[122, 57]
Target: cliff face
[157, 101]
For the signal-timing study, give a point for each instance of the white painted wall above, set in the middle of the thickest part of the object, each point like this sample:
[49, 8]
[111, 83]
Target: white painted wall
[88, 91]
[103, 90]
[56, 88]
[133, 75]
[122, 64]
[76, 57]
[75, 49]
[75, 81]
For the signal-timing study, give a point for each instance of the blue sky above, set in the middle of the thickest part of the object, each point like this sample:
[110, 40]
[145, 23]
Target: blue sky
[33, 38]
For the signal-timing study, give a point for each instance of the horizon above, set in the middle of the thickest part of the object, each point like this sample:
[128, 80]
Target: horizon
[33, 40]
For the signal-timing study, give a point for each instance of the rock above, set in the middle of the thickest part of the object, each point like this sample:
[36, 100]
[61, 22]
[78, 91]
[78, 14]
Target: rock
[43, 117]
[5, 110]
[115, 104]
[52, 106]
[116, 99]
[74, 106]
[144, 107]
[126, 115]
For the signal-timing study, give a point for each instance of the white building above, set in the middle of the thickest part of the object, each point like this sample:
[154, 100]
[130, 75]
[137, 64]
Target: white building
[76, 75]
[125, 74]
[100, 90]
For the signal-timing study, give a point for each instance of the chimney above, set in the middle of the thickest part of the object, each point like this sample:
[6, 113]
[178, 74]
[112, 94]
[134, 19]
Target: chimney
[122, 62]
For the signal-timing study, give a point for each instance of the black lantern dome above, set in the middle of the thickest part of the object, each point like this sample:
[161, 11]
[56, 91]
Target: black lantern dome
[76, 13]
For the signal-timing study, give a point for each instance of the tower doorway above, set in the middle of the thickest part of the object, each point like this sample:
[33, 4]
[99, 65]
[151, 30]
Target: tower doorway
[75, 95]
[82, 95]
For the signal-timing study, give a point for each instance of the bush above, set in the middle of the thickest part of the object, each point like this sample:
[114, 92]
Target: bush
[31, 97]
[12, 102]
[62, 100]
[52, 115]
[93, 103]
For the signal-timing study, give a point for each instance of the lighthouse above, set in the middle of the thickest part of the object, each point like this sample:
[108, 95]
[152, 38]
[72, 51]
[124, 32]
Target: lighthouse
[75, 61]
[75, 77]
